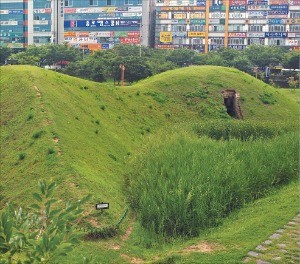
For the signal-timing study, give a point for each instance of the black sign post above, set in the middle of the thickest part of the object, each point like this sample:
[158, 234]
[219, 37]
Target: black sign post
[101, 206]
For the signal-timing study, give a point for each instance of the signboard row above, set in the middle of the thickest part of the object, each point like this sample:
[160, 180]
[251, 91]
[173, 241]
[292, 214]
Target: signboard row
[109, 9]
[102, 23]
[104, 34]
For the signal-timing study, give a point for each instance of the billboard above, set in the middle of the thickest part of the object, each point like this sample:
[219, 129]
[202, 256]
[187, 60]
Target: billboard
[196, 34]
[165, 37]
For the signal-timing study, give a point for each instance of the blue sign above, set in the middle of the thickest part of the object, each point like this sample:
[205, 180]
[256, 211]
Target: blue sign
[201, 3]
[275, 34]
[257, 2]
[20, 11]
[105, 46]
[275, 21]
[279, 7]
[237, 8]
[102, 23]
[217, 2]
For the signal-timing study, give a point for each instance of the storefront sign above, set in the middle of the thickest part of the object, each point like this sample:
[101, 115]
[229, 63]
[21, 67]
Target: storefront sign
[165, 37]
[237, 34]
[196, 34]
[275, 34]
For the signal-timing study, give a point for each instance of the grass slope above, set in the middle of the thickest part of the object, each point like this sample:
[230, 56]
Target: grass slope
[99, 126]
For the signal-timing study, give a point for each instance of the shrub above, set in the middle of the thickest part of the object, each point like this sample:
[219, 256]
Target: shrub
[41, 235]
[51, 151]
[37, 134]
[102, 107]
[22, 156]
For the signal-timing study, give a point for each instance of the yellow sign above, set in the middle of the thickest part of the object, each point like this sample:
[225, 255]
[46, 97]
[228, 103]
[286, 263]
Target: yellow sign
[196, 34]
[165, 37]
[293, 21]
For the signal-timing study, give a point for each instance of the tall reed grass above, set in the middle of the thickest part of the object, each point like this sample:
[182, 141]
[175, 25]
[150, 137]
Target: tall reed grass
[182, 185]
[243, 130]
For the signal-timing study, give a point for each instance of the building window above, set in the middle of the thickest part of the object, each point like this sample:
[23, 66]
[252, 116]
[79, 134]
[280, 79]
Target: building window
[164, 28]
[217, 28]
[36, 17]
[277, 42]
[68, 3]
[108, 2]
[197, 27]
[236, 41]
[235, 28]
[294, 14]
[128, 2]
[93, 2]
[255, 28]
[178, 28]
[217, 41]
[294, 28]
[277, 28]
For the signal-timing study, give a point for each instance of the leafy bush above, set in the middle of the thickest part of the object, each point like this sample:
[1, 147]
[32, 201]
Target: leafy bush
[22, 156]
[41, 235]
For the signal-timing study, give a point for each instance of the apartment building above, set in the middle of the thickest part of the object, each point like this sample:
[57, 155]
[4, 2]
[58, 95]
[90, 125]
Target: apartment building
[202, 25]
[207, 25]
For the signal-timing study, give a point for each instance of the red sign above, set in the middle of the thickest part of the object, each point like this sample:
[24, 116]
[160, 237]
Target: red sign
[237, 2]
[164, 46]
[129, 40]
[133, 34]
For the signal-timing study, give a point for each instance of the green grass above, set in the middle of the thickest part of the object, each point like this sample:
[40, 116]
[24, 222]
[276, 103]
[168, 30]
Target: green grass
[181, 185]
[93, 162]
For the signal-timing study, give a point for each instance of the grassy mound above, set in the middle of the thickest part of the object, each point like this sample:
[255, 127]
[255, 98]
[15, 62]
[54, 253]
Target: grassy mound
[82, 133]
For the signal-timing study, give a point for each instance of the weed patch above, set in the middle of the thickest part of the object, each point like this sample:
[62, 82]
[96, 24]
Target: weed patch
[267, 98]
[158, 97]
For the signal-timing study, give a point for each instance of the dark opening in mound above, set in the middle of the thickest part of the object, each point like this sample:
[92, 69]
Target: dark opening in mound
[232, 103]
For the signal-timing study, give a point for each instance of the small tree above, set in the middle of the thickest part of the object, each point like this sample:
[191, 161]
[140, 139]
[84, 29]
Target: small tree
[293, 83]
[42, 235]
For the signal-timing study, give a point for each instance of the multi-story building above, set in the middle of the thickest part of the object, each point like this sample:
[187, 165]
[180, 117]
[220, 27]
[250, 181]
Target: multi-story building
[211, 24]
[13, 28]
[202, 25]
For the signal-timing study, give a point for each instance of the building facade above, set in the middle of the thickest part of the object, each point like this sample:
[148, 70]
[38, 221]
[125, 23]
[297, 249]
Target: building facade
[202, 25]
[207, 25]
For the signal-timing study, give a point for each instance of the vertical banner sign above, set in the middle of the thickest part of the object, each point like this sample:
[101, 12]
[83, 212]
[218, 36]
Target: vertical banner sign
[165, 37]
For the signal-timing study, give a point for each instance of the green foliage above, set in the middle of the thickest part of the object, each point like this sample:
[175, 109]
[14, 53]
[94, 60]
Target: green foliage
[42, 234]
[158, 97]
[267, 98]
[22, 156]
[38, 134]
[181, 57]
[242, 130]
[4, 54]
[291, 60]
[201, 93]
[182, 185]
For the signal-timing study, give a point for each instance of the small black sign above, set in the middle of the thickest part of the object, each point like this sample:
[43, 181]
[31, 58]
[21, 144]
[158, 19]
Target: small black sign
[102, 206]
